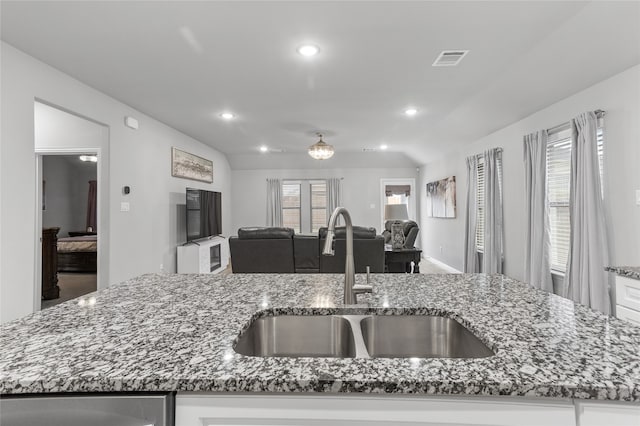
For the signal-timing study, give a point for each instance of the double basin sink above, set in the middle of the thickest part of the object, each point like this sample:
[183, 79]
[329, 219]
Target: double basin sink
[360, 336]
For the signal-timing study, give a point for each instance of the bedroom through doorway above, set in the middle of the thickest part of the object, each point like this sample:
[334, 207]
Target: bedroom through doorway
[69, 224]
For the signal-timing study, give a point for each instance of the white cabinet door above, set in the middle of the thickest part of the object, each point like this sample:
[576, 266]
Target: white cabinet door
[608, 413]
[352, 410]
[628, 292]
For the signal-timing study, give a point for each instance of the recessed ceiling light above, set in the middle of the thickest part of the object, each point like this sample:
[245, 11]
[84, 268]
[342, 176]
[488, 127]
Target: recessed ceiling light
[227, 115]
[410, 112]
[383, 147]
[263, 148]
[308, 50]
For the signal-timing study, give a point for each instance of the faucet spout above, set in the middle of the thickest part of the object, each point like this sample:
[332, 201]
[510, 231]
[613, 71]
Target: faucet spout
[349, 269]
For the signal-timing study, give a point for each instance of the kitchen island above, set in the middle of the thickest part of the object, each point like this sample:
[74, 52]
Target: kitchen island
[164, 332]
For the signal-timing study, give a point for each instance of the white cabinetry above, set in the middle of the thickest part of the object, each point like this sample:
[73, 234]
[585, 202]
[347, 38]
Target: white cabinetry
[600, 413]
[204, 257]
[628, 299]
[382, 410]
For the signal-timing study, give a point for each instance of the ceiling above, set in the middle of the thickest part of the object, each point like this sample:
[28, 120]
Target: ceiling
[184, 63]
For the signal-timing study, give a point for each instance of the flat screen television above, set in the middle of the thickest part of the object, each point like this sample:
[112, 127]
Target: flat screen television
[204, 214]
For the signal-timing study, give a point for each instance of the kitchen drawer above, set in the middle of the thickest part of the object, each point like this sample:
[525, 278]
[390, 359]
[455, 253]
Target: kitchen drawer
[628, 292]
[628, 314]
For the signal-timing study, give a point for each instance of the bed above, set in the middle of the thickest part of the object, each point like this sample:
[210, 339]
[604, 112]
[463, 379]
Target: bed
[78, 254]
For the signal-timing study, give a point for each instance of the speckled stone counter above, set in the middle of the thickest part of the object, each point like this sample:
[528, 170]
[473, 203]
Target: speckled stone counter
[176, 332]
[625, 271]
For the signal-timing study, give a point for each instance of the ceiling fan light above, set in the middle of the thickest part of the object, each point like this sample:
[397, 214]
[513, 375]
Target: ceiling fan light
[321, 150]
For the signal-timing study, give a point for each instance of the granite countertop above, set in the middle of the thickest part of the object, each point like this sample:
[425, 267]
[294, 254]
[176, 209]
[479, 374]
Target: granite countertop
[625, 271]
[175, 332]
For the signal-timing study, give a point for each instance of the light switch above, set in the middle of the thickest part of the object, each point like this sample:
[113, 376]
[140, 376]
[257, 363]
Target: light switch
[637, 197]
[372, 206]
[124, 206]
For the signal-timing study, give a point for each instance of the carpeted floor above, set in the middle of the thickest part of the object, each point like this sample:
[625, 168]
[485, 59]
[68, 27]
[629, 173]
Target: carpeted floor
[72, 285]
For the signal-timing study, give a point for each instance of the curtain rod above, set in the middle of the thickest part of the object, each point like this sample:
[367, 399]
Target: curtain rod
[324, 178]
[599, 114]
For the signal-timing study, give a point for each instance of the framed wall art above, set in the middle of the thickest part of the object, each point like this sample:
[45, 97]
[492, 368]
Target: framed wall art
[441, 198]
[190, 166]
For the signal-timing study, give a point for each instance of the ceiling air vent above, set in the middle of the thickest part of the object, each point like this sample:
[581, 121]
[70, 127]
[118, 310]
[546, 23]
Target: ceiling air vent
[449, 58]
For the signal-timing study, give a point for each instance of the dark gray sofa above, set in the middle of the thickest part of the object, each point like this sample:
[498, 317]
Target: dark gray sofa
[368, 250]
[267, 250]
[279, 250]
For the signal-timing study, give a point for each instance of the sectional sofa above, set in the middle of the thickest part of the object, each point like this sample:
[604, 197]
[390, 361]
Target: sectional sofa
[281, 250]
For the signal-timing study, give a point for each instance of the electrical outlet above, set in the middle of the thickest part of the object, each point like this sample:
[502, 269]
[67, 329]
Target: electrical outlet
[124, 206]
[372, 206]
[161, 267]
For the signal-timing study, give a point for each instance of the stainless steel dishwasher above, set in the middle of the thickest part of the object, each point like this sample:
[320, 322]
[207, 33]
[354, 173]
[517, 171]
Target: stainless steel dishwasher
[115, 409]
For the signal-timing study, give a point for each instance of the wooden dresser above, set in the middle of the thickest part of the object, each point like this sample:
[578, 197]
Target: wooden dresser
[50, 289]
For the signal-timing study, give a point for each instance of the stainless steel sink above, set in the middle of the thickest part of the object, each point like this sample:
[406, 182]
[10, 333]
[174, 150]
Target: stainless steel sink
[298, 336]
[405, 336]
[360, 336]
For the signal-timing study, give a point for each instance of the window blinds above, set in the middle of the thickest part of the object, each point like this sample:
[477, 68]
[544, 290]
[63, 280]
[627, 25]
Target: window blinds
[558, 184]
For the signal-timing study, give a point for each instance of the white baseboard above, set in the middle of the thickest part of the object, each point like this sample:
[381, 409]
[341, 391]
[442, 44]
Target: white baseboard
[442, 265]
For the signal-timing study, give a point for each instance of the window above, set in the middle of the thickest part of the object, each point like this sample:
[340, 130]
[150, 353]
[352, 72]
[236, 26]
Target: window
[558, 191]
[304, 205]
[318, 206]
[291, 206]
[480, 200]
[480, 207]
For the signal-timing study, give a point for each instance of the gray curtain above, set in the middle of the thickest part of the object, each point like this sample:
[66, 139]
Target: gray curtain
[334, 195]
[537, 263]
[92, 209]
[493, 253]
[471, 263]
[586, 281]
[274, 202]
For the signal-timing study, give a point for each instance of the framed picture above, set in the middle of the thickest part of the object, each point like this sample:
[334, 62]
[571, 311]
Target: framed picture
[189, 166]
[441, 198]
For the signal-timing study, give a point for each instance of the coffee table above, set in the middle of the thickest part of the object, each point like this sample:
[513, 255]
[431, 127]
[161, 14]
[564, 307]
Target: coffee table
[399, 260]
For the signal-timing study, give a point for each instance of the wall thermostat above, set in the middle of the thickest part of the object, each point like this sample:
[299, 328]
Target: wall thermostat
[131, 123]
[126, 190]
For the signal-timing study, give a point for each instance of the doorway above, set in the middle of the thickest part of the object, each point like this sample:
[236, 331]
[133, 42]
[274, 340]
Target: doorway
[398, 191]
[69, 218]
[72, 200]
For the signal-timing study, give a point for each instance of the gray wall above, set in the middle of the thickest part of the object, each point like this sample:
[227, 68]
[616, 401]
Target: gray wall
[620, 97]
[67, 187]
[360, 190]
[139, 240]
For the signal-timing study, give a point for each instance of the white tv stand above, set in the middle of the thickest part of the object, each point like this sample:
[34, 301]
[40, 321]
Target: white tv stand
[208, 256]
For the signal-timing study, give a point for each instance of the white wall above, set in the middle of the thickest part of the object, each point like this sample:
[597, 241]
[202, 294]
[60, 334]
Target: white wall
[140, 240]
[66, 192]
[360, 189]
[619, 96]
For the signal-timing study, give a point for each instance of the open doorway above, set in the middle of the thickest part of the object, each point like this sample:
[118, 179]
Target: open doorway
[398, 191]
[71, 257]
[69, 227]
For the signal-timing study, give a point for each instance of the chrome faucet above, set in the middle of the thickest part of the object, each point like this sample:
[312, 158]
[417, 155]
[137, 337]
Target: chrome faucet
[350, 288]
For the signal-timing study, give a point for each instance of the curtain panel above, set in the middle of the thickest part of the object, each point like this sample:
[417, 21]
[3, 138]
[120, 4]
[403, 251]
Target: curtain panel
[471, 263]
[492, 256]
[92, 207]
[586, 281]
[274, 202]
[334, 195]
[537, 262]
